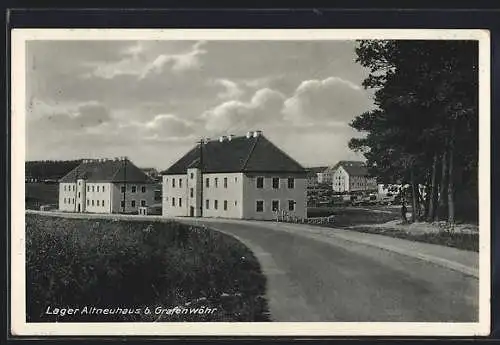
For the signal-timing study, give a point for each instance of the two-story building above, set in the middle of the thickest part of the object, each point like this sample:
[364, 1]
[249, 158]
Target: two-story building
[352, 176]
[244, 177]
[105, 186]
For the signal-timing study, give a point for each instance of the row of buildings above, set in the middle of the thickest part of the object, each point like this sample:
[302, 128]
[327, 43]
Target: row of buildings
[244, 177]
[345, 176]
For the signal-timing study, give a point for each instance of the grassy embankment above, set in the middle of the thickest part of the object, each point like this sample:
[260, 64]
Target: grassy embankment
[73, 263]
[362, 219]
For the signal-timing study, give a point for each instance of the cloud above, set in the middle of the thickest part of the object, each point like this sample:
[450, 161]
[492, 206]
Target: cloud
[231, 89]
[264, 106]
[168, 125]
[84, 116]
[329, 100]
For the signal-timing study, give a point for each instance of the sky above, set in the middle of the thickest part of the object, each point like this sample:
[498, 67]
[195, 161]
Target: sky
[152, 100]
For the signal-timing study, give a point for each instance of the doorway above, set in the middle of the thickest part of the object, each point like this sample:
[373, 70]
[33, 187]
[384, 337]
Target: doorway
[191, 211]
[79, 207]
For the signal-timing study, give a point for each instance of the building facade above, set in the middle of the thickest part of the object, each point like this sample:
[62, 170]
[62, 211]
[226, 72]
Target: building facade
[244, 177]
[352, 176]
[105, 186]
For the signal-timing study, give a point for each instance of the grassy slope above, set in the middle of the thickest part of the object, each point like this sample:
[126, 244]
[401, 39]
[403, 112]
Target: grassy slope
[109, 264]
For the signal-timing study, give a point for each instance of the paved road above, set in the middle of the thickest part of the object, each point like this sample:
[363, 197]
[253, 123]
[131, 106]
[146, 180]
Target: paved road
[310, 279]
[318, 274]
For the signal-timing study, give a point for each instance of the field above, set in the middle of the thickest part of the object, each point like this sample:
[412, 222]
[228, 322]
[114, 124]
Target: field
[125, 266]
[352, 215]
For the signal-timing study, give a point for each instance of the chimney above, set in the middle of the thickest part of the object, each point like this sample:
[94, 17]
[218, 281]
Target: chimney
[257, 133]
[249, 134]
[222, 138]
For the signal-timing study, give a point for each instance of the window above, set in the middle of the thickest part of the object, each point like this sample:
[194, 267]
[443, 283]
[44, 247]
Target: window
[64, 188]
[132, 203]
[276, 182]
[88, 188]
[225, 205]
[88, 202]
[207, 204]
[191, 192]
[235, 179]
[173, 183]
[143, 203]
[122, 204]
[180, 183]
[207, 182]
[134, 189]
[216, 182]
[73, 201]
[103, 203]
[93, 188]
[291, 183]
[275, 205]
[123, 189]
[103, 188]
[260, 182]
[291, 205]
[97, 202]
[73, 188]
[180, 202]
[79, 194]
[259, 206]
[225, 182]
[216, 204]
[92, 202]
[98, 188]
[64, 200]
[235, 203]
[191, 176]
[143, 189]
[173, 201]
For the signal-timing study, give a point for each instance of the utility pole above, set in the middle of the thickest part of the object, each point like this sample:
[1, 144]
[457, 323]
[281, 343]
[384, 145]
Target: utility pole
[201, 177]
[124, 183]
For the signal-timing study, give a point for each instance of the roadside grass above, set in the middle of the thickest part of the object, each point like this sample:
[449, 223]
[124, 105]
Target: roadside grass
[359, 219]
[75, 263]
[464, 241]
[39, 193]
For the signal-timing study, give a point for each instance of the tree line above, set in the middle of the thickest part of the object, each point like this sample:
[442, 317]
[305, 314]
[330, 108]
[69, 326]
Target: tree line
[49, 169]
[424, 127]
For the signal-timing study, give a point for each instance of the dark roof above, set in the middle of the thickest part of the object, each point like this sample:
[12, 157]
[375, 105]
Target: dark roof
[240, 154]
[353, 168]
[315, 170]
[107, 171]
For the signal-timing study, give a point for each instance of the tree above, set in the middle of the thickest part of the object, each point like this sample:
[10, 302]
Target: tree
[426, 97]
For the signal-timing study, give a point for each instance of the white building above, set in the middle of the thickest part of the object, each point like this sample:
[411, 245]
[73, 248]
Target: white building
[244, 177]
[352, 176]
[105, 186]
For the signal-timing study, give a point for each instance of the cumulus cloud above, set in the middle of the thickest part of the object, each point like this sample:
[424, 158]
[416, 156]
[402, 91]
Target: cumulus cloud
[264, 106]
[169, 125]
[84, 116]
[329, 100]
[231, 90]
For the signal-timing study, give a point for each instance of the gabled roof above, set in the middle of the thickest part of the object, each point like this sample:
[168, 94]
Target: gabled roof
[107, 171]
[353, 168]
[240, 154]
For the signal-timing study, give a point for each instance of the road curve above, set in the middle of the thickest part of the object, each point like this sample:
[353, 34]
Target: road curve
[309, 279]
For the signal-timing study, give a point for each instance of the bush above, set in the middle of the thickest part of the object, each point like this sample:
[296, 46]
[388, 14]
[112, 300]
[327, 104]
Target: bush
[132, 264]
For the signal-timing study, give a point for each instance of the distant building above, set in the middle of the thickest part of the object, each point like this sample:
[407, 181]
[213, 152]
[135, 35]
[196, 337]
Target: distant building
[352, 176]
[245, 177]
[153, 173]
[105, 186]
[313, 174]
